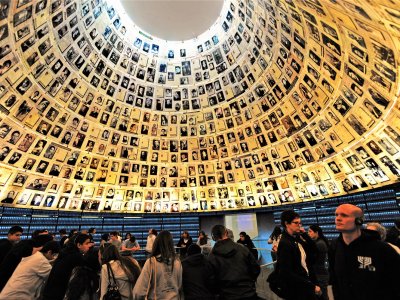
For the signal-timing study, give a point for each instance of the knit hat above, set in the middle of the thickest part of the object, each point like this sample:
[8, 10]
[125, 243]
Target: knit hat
[193, 249]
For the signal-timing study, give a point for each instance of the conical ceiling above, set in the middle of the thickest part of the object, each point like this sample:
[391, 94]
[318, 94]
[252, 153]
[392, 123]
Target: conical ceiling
[279, 101]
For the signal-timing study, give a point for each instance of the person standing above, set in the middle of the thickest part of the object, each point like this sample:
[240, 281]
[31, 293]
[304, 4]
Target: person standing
[232, 269]
[184, 243]
[63, 237]
[129, 245]
[71, 256]
[20, 250]
[150, 240]
[195, 275]
[114, 239]
[393, 234]
[204, 242]
[13, 237]
[125, 271]
[295, 256]
[31, 273]
[381, 234]
[246, 241]
[274, 239]
[161, 276]
[320, 265]
[361, 267]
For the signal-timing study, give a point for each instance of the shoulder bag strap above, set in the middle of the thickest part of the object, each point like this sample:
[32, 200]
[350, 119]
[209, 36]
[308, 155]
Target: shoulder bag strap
[109, 269]
[155, 278]
[108, 273]
[151, 271]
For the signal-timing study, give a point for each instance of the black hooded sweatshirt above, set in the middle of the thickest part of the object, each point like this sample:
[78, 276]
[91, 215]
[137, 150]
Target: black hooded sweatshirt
[194, 278]
[366, 269]
[232, 270]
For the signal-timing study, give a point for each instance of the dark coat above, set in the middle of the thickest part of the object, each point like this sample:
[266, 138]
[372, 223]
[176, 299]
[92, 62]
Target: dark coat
[393, 236]
[366, 269]
[248, 243]
[60, 274]
[5, 247]
[13, 258]
[194, 277]
[184, 246]
[232, 270]
[294, 279]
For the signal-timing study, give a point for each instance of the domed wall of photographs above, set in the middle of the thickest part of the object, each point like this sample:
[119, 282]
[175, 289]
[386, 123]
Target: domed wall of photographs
[280, 101]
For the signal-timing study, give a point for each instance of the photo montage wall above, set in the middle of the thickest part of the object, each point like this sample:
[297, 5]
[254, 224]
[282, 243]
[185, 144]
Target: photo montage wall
[280, 101]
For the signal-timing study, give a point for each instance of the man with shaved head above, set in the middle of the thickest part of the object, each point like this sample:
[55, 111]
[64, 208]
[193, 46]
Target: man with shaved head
[362, 267]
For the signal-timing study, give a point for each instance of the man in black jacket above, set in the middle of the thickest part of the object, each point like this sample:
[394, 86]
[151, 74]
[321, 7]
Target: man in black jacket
[361, 267]
[194, 275]
[13, 237]
[232, 269]
[295, 256]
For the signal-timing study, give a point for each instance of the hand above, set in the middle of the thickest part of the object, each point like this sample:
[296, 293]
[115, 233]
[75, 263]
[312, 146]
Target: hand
[302, 230]
[318, 291]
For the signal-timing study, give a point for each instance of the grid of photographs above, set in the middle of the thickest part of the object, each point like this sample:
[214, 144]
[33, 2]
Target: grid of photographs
[281, 104]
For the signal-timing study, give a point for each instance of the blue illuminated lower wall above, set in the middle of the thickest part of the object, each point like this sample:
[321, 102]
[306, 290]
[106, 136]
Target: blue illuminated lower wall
[381, 205]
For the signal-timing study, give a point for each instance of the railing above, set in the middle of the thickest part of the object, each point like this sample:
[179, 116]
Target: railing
[262, 286]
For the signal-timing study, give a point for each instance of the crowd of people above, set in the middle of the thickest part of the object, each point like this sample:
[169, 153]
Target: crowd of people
[362, 263]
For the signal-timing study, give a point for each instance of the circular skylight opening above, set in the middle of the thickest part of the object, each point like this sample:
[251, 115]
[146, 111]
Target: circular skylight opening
[173, 20]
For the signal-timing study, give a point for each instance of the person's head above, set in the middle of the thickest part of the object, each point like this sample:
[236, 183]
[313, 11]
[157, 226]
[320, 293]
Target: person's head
[185, 235]
[242, 236]
[193, 249]
[62, 232]
[40, 240]
[378, 228]
[72, 232]
[81, 242]
[202, 234]
[105, 237]
[290, 220]
[128, 236]
[92, 230]
[315, 233]
[132, 239]
[276, 232]
[163, 247]
[51, 249]
[110, 253]
[114, 235]
[152, 231]
[229, 234]
[348, 218]
[14, 234]
[219, 232]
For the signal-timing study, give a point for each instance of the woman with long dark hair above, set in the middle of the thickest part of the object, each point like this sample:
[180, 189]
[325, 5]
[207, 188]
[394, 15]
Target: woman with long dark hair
[125, 269]
[161, 277]
[204, 242]
[274, 239]
[320, 265]
[184, 242]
